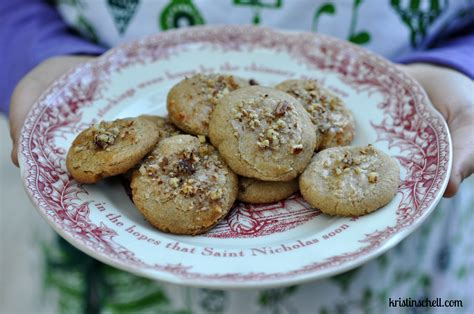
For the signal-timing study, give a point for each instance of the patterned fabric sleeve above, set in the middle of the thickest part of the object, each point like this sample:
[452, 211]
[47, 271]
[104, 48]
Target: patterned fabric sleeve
[31, 32]
[455, 53]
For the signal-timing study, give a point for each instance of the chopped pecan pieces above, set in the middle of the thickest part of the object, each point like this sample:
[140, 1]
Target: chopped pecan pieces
[282, 108]
[373, 177]
[253, 82]
[296, 149]
[105, 137]
[215, 194]
[174, 182]
[186, 166]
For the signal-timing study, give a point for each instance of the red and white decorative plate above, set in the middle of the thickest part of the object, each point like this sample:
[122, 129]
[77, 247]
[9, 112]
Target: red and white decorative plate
[254, 246]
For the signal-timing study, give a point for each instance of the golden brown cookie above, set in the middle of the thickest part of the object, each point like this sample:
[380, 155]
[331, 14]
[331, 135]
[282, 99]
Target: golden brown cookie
[263, 133]
[185, 188]
[332, 119]
[350, 181]
[257, 192]
[110, 148]
[191, 101]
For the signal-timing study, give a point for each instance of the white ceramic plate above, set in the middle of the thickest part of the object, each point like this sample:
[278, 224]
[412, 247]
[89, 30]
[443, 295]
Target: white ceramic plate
[254, 246]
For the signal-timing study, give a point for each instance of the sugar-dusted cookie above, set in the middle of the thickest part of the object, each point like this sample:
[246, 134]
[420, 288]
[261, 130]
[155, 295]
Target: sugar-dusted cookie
[191, 101]
[110, 148]
[185, 187]
[263, 133]
[332, 119]
[350, 181]
[257, 192]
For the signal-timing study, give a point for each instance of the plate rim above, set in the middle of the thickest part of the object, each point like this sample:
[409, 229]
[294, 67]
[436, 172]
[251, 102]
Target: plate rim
[198, 282]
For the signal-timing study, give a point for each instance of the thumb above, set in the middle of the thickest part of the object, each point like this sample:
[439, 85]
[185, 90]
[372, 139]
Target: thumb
[24, 95]
[463, 153]
[31, 87]
[461, 169]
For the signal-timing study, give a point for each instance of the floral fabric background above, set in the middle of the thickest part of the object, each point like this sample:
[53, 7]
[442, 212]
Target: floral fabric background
[390, 27]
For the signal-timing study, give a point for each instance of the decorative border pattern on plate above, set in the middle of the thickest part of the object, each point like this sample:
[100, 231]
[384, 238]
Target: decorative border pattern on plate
[409, 124]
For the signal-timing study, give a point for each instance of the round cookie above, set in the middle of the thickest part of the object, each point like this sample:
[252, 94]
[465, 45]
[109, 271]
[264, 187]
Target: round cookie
[263, 133]
[259, 192]
[332, 119]
[350, 181]
[191, 101]
[185, 188]
[110, 148]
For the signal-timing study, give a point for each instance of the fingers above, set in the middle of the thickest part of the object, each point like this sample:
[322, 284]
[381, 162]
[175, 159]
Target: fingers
[30, 88]
[457, 107]
[462, 168]
[24, 95]
[14, 155]
[453, 185]
[462, 133]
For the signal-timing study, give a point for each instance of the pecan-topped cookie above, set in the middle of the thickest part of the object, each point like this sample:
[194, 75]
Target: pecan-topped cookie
[256, 192]
[263, 133]
[350, 181]
[331, 118]
[110, 148]
[184, 187]
[191, 101]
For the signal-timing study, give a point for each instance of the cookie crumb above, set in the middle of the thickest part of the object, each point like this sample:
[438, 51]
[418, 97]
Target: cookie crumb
[216, 194]
[203, 150]
[189, 188]
[347, 158]
[254, 124]
[253, 82]
[217, 208]
[282, 108]
[373, 177]
[78, 149]
[174, 182]
[356, 161]
[202, 139]
[369, 149]
[186, 166]
[296, 149]
[337, 171]
[263, 144]
[163, 162]
[104, 137]
[280, 124]
[272, 134]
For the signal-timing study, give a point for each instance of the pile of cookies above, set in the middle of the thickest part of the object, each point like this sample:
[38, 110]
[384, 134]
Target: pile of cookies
[228, 138]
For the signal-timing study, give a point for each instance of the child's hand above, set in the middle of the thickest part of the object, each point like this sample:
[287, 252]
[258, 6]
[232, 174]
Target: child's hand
[452, 93]
[31, 87]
